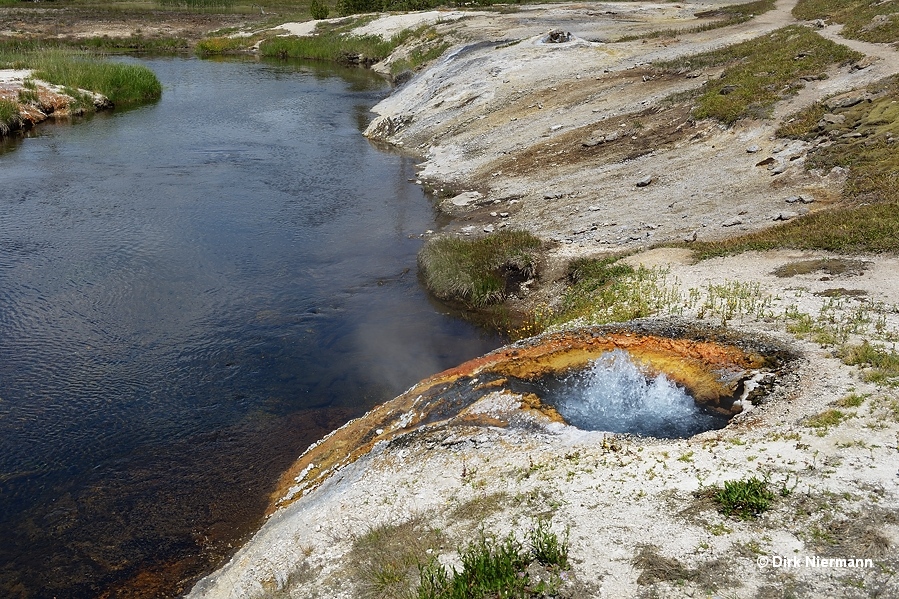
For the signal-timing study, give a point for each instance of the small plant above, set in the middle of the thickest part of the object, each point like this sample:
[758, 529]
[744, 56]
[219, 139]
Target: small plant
[547, 548]
[745, 498]
[319, 10]
[883, 364]
[499, 568]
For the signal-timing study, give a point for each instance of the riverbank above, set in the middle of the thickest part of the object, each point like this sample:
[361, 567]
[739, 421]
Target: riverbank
[581, 143]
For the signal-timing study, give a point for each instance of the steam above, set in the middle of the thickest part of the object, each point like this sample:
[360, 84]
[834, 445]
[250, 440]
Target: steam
[614, 395]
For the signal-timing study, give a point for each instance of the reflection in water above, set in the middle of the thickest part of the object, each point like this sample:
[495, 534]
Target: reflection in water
[190, 294]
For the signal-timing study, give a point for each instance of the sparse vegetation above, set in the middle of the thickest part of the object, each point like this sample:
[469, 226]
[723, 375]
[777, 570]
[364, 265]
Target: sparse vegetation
[500, 568]
[882, 364]
[480, 271]
[868, 20]
[868, 220]
[729, 15]
[760, 72]
[827, 419]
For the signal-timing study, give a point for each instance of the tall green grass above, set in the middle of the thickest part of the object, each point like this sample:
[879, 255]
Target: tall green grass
[330, 46]
[10, 119]
[123, 84]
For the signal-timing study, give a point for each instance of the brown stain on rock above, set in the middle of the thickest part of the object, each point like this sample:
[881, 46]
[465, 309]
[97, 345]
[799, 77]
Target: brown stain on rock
[709, 368]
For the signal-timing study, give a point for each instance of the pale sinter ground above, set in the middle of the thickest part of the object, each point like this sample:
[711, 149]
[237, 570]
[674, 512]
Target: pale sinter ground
[486, 118]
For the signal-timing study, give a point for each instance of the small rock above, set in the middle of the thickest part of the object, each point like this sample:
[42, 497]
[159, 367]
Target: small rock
[780, 168]
[493, 214]
[846, 100]
[594, 208]
[832, 119]
[555, 128]
[728, 89]
[644, 181]
[691, 237]
[766, 162]
[557, 36]
[732, 222]
[488, 229]
[752, 149]
[593, 141]
[466, 198]
[504, 215]
[786, 215]
[467, 230]
[612, 136]
[694, 74]
[793, 199]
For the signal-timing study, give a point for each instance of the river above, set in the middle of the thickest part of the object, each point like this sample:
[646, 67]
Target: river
[191, 293]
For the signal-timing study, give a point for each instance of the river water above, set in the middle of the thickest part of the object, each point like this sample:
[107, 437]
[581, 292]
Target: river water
[190, 294]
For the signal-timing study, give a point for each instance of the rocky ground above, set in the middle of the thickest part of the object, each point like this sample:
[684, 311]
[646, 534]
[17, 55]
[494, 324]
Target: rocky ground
[571, 141]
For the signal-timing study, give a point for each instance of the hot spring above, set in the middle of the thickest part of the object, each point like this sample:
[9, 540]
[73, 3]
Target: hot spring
[615, 394]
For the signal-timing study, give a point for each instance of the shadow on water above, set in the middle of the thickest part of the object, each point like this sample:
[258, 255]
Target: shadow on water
[191, 293]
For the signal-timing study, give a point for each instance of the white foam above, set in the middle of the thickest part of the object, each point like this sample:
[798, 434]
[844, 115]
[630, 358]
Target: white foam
[614, 395]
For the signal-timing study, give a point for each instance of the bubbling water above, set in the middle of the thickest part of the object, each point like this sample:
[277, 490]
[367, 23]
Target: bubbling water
[613, 394]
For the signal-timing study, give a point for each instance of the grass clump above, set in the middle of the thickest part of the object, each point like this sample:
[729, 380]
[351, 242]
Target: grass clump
[10, 119]
[746, 498]
[480, 271]
[826, 419]
[500, 568]
[223, 45]
[123, 84]
[867, 20]
[882, 364]
[760, 72]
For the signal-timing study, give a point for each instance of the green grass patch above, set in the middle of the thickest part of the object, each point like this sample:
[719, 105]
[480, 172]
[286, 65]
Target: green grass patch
[482, 271]
[882, 364]
[123, 84]
[827, 419]
[730, 15]
[602, 290]
[365, 49]
[867, 20]
[746, 498]
[385, 560]
[223, 45]
[499, 568]
[198, 5]
[760, 72]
